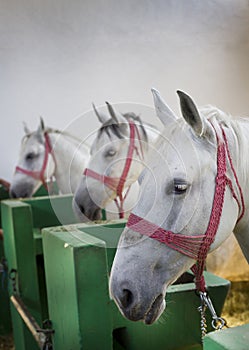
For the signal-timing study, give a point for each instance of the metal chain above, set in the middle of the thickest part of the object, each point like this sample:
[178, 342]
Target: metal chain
[217, 322]
[203, 322]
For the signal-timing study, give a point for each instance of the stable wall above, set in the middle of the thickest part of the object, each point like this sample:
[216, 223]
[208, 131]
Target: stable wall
[58, 56]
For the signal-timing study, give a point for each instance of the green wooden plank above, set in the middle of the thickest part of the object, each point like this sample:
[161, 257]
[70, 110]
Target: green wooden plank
[4, 193]
[5, 318]
[236, 338]
[20, 252]
[43, 192]
[109, 233]
[18, 244]
[52, 211]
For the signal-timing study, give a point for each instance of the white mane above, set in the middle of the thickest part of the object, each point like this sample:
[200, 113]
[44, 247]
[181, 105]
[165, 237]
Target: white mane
[240, 130]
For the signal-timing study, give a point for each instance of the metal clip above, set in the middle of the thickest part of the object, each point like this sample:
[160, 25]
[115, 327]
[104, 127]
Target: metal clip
[217, 322]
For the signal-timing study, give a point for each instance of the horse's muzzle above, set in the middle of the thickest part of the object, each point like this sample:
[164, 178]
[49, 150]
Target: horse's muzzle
[86, 209]
[21, 191]
[133, 309]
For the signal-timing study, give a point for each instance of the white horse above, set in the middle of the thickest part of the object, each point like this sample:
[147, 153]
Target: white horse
[190, 204]
[45, 154]
[118, 155]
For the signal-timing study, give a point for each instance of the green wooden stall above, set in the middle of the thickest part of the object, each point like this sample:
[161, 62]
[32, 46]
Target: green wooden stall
[5, 317]
[77, 263]
[22, 221]
[73, 291]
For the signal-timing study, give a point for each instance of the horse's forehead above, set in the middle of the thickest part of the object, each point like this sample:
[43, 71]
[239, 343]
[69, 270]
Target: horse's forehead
[180, 154]
[104, 139]
[175, 147]
[30, 142]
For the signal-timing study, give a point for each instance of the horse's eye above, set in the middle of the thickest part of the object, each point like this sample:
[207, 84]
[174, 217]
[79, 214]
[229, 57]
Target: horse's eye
[110, 153]
[30, 156]
[180, 187]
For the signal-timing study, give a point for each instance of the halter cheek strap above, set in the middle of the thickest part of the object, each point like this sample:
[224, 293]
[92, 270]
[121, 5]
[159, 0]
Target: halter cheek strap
[40, 174]
[117, 184]
[197, 247]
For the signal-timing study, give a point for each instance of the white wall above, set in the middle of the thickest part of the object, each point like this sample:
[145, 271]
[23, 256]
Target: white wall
[58, 56]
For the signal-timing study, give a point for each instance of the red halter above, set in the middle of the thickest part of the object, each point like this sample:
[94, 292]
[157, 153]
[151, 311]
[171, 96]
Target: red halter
[117, 184]
[40, 174]
[197, 247]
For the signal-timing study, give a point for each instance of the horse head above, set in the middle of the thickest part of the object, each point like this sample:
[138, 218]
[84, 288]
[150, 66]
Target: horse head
[175, 205]
[31, 169]
[115, 163]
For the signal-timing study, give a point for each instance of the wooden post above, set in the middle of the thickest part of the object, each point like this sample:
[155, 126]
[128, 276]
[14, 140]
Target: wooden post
[19, 249]
[77, 286]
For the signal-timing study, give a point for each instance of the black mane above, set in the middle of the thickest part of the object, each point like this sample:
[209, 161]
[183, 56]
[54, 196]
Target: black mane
[110, 127]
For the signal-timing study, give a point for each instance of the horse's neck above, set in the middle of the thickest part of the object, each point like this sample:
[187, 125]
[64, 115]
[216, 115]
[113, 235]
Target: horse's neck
[238, 150]
[235, 149]
[239, 155]
[70, 162]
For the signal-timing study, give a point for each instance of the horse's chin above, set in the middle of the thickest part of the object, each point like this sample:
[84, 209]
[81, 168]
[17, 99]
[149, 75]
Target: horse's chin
[90, 215]
[155, 310]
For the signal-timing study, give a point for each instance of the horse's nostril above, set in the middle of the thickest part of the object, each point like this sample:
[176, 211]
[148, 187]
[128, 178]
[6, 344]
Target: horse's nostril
[77, 203]
[126, 298]
[81, 208]
[13, 194]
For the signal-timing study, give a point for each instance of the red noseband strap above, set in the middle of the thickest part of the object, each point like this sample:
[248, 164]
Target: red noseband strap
[40, 174]
[110, 182]
[197, 247]
[187, 245]
[117, 184]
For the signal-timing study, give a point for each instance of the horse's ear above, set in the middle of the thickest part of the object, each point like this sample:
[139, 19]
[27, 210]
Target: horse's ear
[190, 113]
[102, 117]
[117, 117]
[42, 125]
[25, 127]
[164, 113]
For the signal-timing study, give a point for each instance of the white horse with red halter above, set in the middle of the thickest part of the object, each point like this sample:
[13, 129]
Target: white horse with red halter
[189, 205]
[118, 155]
[46, 154]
